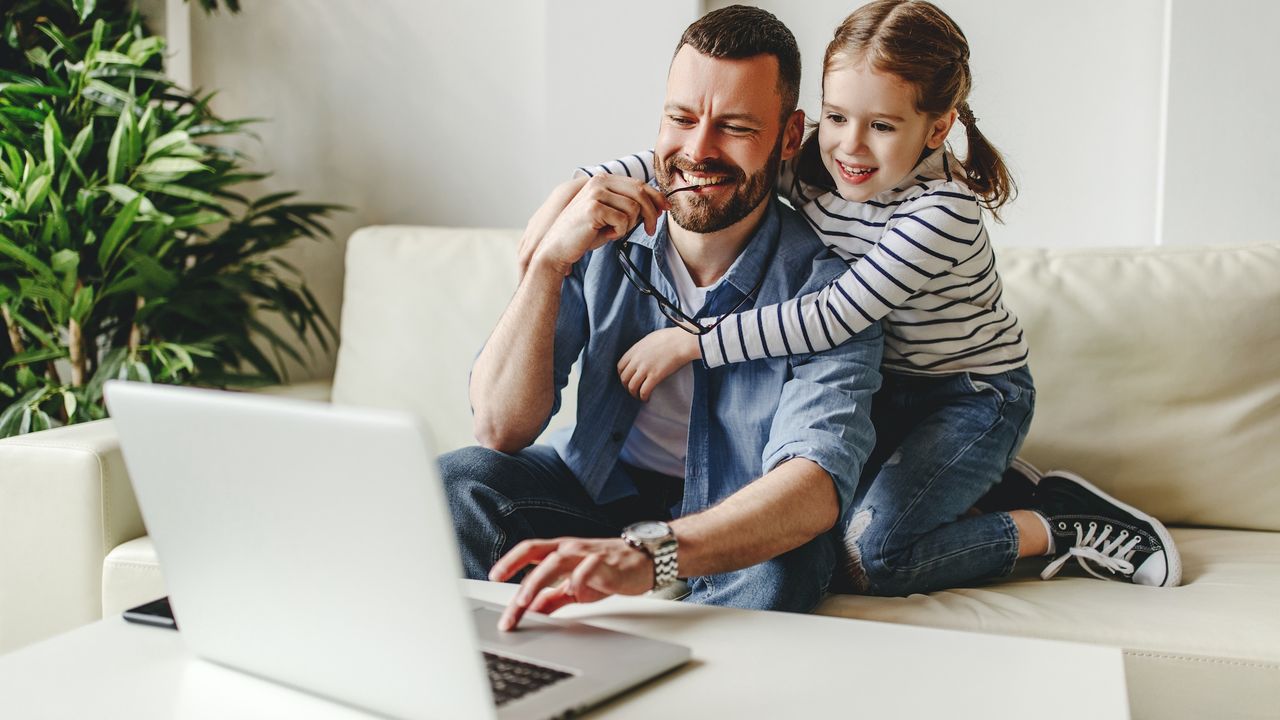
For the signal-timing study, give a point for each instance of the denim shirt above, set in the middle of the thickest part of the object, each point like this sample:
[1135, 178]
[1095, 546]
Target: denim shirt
[745, 418]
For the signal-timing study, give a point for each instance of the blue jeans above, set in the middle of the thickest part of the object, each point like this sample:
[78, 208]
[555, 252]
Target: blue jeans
[497, 500]
[942, 443]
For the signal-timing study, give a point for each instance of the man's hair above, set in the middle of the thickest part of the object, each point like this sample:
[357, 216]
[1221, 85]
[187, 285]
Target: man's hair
[739, 32]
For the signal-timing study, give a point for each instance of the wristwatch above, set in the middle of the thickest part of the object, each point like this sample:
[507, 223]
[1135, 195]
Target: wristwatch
[657, 540]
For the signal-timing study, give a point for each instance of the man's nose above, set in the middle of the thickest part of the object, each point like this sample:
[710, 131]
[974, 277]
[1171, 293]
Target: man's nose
[700, 144]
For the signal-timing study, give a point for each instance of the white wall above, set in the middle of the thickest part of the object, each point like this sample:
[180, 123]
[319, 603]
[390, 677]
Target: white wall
[438, 113]
[1224, 109]
[1122, 120]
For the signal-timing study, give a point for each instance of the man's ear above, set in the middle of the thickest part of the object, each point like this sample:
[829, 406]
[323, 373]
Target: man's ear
[792, 134]
[940, 129]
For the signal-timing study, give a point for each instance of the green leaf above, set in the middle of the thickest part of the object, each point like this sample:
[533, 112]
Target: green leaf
[82, 304]
[163, 144]
[160, 169]
[38, 57]
[99, 90]
[65, 262]
[116, 233]
[69, 404]
[83, 8]
[37, 191]
[113, 150]
[24, 89]
[31, 262]
[107, 56]
[84, 139]
[139, 371]
[45, 338]
[182, 191]
[52, 139]
[36, 356]
[124, 195]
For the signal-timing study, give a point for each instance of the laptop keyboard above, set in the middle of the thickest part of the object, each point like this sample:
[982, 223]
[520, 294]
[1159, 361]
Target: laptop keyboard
[512, 679]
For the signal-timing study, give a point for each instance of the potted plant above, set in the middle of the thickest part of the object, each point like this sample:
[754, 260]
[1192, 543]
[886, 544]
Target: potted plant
[127, 249]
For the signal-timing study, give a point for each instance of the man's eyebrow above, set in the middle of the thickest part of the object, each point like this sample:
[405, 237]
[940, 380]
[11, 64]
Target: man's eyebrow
[737, 117]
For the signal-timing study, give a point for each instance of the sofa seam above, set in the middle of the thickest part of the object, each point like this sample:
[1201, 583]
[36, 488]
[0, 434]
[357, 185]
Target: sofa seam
[133, 564]
[1260, 665]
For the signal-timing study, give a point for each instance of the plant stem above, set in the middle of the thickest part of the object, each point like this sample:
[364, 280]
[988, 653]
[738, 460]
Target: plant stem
[15, 337]
[75, 346]
[135, 332]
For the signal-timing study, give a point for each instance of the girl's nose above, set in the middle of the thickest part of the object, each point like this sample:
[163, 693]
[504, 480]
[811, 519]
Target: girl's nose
[854, 140]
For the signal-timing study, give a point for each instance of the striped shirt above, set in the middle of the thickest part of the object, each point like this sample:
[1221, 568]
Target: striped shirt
[919, 260]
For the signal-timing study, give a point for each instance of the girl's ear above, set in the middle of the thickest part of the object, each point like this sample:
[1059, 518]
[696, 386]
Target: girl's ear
[792, 134]
[941, 127]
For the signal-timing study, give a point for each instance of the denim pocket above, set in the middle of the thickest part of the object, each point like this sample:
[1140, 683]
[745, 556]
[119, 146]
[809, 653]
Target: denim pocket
[977, 387]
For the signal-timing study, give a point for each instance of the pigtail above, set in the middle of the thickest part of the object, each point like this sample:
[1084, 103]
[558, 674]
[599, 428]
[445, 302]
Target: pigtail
[985, 171]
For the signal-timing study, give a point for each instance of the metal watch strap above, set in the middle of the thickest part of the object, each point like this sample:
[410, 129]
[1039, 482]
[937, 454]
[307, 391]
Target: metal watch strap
[665, 570]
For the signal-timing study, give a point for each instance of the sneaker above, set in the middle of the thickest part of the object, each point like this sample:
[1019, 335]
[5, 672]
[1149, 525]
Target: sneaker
[1109, 539]
[1015, 491]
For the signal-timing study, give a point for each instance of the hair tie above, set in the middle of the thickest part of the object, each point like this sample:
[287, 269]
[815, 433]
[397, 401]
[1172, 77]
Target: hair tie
[966, 115]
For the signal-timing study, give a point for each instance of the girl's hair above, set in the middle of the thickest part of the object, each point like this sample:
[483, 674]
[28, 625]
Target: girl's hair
[919, 43]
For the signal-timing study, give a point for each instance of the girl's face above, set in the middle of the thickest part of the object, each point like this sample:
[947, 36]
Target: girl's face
[871, 134]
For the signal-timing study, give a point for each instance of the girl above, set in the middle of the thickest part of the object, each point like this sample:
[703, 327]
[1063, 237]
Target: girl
[880, 186]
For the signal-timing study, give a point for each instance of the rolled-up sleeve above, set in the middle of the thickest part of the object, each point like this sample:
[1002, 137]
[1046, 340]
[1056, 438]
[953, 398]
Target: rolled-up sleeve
[824, 414]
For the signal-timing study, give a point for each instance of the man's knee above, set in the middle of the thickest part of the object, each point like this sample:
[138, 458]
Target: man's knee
[471, 464]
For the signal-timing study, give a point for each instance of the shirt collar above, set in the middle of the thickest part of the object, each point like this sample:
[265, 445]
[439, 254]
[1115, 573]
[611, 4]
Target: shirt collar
[747, 269]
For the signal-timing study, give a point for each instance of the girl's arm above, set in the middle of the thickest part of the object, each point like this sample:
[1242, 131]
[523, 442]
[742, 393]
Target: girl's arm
[639, 166]
[926, 238]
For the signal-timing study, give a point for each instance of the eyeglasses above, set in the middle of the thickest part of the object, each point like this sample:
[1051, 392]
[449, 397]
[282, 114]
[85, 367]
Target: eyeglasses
[670, 309]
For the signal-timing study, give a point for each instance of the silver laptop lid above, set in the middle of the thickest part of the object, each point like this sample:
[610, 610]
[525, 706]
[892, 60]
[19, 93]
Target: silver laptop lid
[323, 597]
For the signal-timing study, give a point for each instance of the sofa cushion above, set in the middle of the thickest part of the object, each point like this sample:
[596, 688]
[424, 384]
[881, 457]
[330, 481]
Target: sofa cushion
[418, 305]
[1158, 374]
[1219, 630]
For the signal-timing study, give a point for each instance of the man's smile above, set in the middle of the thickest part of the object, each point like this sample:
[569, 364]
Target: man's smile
[705, 182]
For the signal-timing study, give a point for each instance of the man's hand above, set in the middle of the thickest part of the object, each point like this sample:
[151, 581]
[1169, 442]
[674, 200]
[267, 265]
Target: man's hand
[591, 570]
[606, 208]
[544, 217]
[659, 354]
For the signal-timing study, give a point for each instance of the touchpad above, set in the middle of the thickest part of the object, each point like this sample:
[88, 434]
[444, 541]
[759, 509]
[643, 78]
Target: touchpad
[486, 620]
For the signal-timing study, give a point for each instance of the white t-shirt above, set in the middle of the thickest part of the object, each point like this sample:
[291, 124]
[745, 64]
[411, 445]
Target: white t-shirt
[660, 437]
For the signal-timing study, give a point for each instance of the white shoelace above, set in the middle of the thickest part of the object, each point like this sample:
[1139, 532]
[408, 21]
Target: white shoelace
[1089, 551]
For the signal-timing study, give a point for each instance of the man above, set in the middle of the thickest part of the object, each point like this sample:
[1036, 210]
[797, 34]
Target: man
[757, 462]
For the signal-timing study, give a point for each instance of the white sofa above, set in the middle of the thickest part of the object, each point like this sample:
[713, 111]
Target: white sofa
[1158, 374]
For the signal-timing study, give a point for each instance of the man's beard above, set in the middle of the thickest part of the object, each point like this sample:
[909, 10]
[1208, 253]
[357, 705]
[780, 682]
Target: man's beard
[697, 213]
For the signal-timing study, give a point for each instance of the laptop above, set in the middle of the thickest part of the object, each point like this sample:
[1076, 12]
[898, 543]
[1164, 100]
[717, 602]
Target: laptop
[311, 545]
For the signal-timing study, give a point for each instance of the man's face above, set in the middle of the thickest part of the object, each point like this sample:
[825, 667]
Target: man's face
[722, 130]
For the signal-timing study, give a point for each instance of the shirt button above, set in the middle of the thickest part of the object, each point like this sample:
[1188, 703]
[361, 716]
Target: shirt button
[616, 437]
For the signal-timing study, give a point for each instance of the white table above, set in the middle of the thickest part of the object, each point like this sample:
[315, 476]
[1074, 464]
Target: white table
[745, 665]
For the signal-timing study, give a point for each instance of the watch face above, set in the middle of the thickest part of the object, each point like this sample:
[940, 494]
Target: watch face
[649, 531]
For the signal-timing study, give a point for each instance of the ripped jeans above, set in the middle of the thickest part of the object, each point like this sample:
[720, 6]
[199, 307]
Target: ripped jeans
[941, 443]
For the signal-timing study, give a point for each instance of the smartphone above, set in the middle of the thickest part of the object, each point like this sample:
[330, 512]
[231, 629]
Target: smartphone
[156, 612]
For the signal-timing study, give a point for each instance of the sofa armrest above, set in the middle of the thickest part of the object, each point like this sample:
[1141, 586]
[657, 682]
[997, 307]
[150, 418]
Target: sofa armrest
[65, 502]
